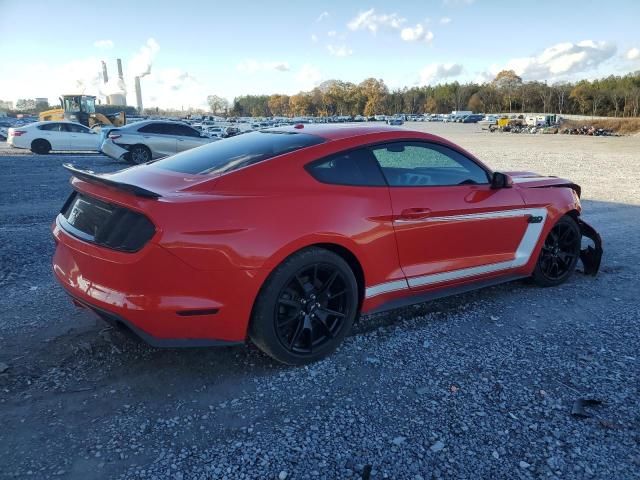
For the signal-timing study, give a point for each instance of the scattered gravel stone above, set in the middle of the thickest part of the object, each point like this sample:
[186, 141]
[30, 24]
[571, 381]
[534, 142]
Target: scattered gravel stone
[436, 447]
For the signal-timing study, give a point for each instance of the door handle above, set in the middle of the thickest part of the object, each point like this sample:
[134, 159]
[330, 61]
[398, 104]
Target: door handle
[411, 214]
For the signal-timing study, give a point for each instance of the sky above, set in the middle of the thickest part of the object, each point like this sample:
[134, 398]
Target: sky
[197, 48]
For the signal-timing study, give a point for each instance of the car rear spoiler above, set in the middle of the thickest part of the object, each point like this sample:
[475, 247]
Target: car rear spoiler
[92, 177]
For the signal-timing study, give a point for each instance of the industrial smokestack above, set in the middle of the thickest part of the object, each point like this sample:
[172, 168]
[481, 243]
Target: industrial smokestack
[138, 95]
[121, 75]
[105, 77]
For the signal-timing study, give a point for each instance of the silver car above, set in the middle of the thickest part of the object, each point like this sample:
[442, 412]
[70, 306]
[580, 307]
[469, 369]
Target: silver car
[147, 140]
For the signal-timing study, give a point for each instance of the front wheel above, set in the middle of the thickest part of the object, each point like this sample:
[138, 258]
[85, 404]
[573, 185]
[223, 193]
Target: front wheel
[306, 307]
[559, 254]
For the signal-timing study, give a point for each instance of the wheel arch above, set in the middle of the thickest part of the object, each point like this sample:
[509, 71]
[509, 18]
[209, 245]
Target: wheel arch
[337, 247]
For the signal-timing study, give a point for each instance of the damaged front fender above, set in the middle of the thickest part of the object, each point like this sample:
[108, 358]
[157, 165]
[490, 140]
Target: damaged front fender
[591, 256]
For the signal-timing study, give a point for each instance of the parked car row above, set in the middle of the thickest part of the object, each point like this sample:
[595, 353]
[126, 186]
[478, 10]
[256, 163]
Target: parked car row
[136, 143]
[146, 140]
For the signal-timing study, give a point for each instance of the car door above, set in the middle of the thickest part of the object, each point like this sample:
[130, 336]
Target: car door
[188, 138]
[449, 223]
[81, 138]
[55, 134]
[160, 138]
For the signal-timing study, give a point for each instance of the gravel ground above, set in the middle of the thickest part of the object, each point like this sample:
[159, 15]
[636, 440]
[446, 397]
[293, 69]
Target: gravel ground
[480, 385]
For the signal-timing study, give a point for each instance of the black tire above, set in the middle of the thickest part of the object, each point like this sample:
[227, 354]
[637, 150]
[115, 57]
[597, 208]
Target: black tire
[305, 308]
[40, 146]
[559, 254]
[139, 154]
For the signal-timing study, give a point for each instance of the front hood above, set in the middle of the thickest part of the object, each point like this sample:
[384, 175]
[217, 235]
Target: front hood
[534, 180]
[531, 179]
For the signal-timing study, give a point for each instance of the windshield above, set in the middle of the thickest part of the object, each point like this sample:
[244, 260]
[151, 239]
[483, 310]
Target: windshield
[237, 152]
[88, 104]
[80, 104]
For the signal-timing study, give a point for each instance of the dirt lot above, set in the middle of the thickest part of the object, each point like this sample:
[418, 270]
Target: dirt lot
[477, 386]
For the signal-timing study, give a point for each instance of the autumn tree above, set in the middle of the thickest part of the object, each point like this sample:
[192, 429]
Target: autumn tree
[508, 82]
[375, 93]
[279, 105]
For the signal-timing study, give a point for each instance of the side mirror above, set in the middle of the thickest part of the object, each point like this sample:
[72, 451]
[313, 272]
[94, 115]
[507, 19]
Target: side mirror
[501, 180]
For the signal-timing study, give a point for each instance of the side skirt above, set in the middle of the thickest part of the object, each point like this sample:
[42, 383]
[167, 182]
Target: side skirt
[442, 292]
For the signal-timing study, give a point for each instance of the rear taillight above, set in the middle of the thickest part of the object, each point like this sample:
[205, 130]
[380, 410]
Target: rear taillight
[113, 136]
[108, 225]
[17, 133]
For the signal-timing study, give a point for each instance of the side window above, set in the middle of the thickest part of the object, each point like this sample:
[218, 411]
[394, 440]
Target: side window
[356, 167]
[51, 127]
[152, 128]
[70, 127]
[418, 164]
[184, 131]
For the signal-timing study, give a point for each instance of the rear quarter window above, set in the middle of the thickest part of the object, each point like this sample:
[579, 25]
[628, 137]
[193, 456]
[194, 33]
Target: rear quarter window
[236, 152]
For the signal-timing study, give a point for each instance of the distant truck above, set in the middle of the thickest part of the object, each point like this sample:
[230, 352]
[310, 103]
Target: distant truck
[461, 113]
[540, 120]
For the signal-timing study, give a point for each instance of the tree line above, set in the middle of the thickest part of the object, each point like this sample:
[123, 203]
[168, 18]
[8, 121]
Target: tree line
[616, 96]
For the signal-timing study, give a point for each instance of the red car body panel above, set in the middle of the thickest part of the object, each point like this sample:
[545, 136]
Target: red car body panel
[218, 238]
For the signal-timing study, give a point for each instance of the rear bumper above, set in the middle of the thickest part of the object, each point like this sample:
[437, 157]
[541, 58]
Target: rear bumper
[110, 149]
[119, 321]
[158, 296]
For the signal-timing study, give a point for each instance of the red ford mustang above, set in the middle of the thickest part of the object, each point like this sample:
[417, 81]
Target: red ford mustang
[285, 235]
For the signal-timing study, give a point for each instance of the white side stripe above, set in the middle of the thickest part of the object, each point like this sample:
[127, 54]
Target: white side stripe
[522, 255]
[386, 287]
[474, 216]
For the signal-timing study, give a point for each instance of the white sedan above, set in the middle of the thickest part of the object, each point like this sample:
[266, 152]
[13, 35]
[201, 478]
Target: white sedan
[43, 137]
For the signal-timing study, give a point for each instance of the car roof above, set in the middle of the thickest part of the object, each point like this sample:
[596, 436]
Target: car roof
[46, 122]
[142, 123]
[339, 132]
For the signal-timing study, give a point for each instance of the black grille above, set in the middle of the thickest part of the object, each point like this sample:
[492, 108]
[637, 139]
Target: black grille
[105, 224]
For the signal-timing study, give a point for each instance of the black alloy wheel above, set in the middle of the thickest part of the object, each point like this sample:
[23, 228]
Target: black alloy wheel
[311, 308]
[306, 307]
[559, 254]
[40, 146]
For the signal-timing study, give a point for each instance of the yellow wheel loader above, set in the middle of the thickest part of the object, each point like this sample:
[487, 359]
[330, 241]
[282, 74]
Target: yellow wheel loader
[82, 109]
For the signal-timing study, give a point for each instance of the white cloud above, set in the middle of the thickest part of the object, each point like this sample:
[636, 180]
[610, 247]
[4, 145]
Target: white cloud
[339, 51]
[331, 33]
[416, 34]
[253, 66]
[308, 77]
[103, 44]
[322, 16]
[563, 59]
[633, 54]
[437, 72]
[314, 38]
[445, 21]
[372, 21]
